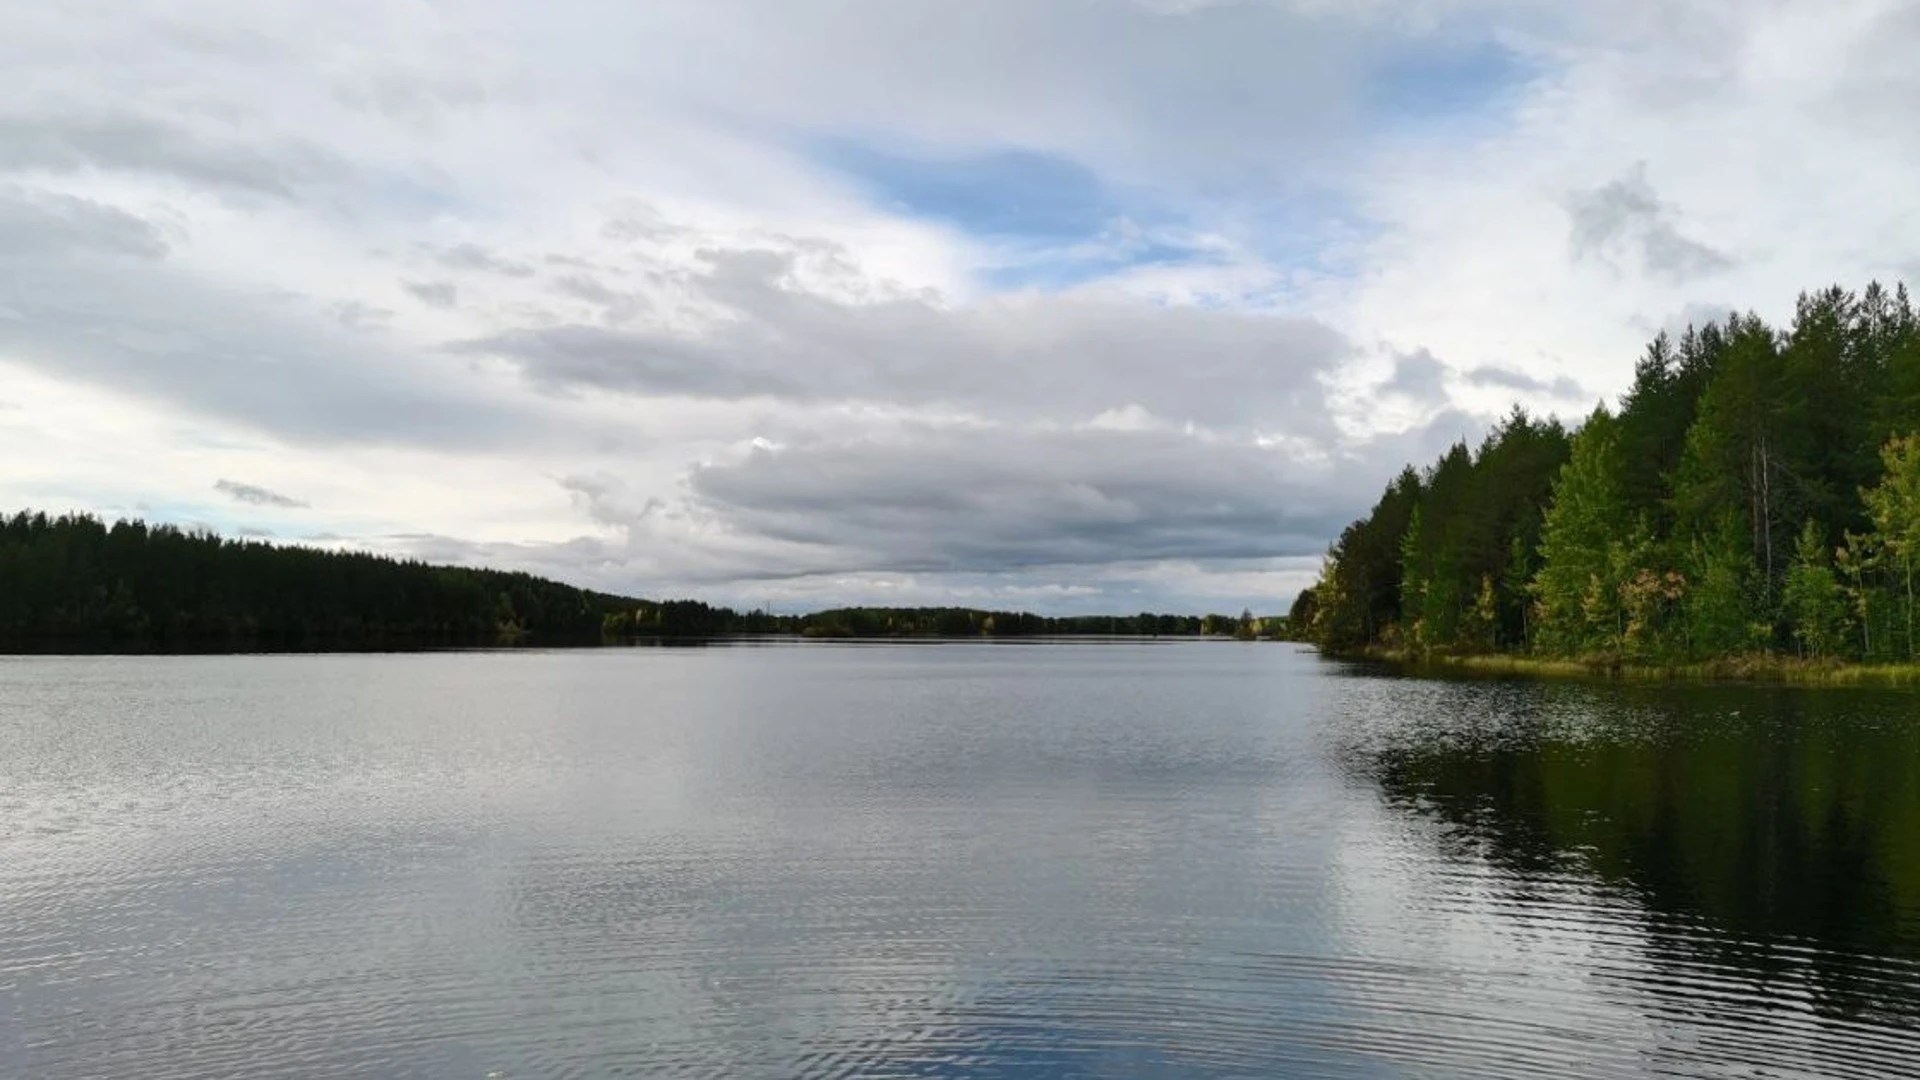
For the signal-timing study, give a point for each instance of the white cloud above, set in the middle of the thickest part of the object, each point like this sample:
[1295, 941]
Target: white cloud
[570, 286]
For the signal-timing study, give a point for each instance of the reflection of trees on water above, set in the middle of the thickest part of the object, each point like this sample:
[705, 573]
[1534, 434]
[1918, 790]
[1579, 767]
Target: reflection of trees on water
[1771, 833]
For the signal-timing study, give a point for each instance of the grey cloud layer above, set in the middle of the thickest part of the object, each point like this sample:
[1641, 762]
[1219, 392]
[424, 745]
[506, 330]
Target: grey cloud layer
[1421, 377]
[921, 500]
[83, 299]
[470, 256]
[1014, 71]
[255, 495]
[967, 500]
[1077, 430]
[1033, 488]
[1061, 357]
[49, 225]
[129, 142]
[1417, 375]
[1561, 387]
[1626, 215]
[434, 294]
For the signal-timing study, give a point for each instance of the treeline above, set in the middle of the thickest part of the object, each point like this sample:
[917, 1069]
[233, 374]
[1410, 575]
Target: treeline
[1756, 490]
[969, 622]
[953, 622]
[75, 581]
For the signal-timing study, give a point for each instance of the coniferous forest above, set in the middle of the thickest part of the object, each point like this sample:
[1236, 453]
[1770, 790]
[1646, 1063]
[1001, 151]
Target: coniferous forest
[77, 582]
[1756, 491]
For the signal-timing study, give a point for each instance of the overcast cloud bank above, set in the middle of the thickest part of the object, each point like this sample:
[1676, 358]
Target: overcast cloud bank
[1069, 306]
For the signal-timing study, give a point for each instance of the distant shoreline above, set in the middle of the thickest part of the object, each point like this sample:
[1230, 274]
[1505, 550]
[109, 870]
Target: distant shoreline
[71, 648]
[75, 583]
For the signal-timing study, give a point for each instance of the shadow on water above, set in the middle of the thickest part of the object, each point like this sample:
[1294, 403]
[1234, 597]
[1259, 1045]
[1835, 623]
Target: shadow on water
[821, 861]
[1767, 834]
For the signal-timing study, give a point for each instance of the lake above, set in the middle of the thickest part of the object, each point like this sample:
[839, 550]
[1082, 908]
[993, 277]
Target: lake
[935, 860]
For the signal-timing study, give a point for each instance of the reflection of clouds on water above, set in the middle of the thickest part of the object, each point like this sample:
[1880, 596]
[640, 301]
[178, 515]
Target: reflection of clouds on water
[1197, 859]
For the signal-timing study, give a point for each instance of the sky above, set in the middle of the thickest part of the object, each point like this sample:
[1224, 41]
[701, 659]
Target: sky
[1064, 305]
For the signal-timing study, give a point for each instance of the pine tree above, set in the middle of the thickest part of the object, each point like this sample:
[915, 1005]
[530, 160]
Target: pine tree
[1742, 447]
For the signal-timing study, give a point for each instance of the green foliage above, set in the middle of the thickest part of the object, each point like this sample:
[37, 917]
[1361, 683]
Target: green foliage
[1692, 524]
[1577, 573]
[1815, 604]
[1742, 447]
[1300, 616]
[1359, 594]
[1893, 505]
[1480, 623]
[1434, 564]
[1719, 610]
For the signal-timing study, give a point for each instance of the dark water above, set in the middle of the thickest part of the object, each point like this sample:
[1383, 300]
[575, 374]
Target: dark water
[1132, 859]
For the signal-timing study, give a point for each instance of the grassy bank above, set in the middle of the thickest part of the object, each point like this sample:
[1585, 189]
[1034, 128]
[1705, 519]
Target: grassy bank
[1750, 667]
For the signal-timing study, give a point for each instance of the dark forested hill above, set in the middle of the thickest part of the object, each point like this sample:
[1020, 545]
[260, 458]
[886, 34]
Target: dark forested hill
[75, 581]
[78, 579]
[1756, 490]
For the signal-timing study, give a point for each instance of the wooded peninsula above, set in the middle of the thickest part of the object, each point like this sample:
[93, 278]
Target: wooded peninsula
[1753, 503]
[76, 582]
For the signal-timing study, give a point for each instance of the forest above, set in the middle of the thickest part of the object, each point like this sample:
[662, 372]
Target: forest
[1755, 493]
[75, 581]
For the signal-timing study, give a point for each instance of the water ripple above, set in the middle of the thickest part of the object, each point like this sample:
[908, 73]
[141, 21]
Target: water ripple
[942, 862]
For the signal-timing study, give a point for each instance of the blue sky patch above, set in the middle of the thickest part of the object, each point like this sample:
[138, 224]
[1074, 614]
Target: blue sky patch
[1455, 78]
[999, 193]
[1048, 270]
[1056, 222]
[1003, 193]
[1053, 223]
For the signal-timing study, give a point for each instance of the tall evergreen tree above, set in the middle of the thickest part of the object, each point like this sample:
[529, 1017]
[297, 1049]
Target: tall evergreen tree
[1582, 521]
[1744, 447]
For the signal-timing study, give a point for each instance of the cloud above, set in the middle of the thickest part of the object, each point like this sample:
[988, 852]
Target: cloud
[254, 495]
[1087, 303]
[1085, 519]
[41, 224]
[470, 256]
[999, 498]
[434, 294]
[614, 306]
[1417, 375]
[114, 140]
[1562, 388]
[608, 502]
[1626, 215]
[357, 314]
[1064, 356]
[277, 364]
[995, 499]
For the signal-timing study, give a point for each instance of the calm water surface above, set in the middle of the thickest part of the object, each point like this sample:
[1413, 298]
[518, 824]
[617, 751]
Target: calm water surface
[1196, 859]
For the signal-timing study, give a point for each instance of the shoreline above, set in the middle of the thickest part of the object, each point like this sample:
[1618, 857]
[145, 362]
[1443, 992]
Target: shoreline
[1754, 668]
